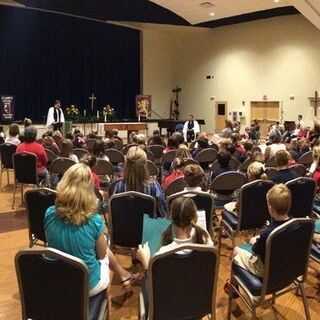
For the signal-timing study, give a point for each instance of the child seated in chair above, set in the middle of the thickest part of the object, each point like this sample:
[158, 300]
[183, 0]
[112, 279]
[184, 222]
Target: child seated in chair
[279, 203]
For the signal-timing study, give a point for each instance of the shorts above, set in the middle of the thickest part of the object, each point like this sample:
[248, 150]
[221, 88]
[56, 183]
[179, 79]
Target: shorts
[249, 261]
[104, 278]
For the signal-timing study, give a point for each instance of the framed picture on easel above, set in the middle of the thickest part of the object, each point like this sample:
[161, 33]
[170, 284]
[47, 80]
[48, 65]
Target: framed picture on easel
[143, 106]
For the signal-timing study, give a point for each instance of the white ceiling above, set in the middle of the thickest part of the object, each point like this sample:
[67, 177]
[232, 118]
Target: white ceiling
[194, 12]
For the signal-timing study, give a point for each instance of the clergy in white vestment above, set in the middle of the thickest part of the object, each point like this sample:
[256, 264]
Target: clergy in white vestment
[55, 117]
[190, 129]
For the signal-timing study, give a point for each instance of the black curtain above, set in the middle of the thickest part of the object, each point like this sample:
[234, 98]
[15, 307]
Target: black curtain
[45, 56]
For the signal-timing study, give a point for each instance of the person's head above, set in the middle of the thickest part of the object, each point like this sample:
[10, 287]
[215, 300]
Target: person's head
[304, 144]
[66, 148]
[203, 143]
[183, 215]
[274, 136]
[173, 143]
[299, 117]
[99, 148]
[248, 145]
[190, 117]
[76, 131]
[27, 122]
[57, 135]
[69, 135]
[231, 148]
[57, 104]
[156, 139]
[132, 137]
[179, 137]
[223, 158]
[135, 169]
[115, 132]
[247, 129]
[228, 124]
[47, 141]
[235, 137]
[256, 171]
[76, 200]
[30, 134]
[110, 144]
[89, 160]
[279, 201]
[316, 153]
[14, 130]
[141, 139]
[183, 152]
[282, 158]
[193, 175]
[155, 132]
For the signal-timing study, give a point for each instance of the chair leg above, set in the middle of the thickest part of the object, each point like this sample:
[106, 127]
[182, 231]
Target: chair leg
[305, 302]
[14, 194]
[273, 298]
[21, 189]
[1, 177]
[254, 314]
[8, 175]
[229, 305]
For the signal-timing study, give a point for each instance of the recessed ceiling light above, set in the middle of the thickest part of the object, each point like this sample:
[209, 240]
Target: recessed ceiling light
[212, 14]
[276, 0]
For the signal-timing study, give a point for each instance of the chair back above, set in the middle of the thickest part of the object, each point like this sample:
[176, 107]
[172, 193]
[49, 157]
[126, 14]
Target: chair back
[80, 152]
[234, 163]
[193, 274]
[302, 194]
[206, 156]
[271, 162]
[126, 217]
[306, 159]
[253, 208]
[168, 157]
[25, 168]
[152, 168]
[112, 186]
[271, 172]
[299, 170]
[188, 161]
[52, 285]
[202, 200]
[7, 150]
[60, 165]
[287, 254]
[37, 202]
[228, 181]
[150, 155]
[245, 164]
[127, 147]
[157, 150]
[115, 156]
[90, 143]
[50, 154]
[175, 186]
[103, 168]
[118, 144]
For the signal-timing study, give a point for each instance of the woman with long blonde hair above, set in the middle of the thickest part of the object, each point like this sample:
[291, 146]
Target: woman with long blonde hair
[74, 227]
[136, 178]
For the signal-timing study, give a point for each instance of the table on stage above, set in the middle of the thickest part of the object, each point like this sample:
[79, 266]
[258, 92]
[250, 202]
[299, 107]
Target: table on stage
[126, 126]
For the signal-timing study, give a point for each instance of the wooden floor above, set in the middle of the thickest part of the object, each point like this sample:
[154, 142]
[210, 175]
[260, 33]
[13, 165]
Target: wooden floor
[287, 307]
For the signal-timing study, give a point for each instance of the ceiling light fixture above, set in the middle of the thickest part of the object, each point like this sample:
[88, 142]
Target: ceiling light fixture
[212, 14]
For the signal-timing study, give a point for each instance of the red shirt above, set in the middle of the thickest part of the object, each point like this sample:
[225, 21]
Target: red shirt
[174, 175]
[316, 178]
[38, 150]
[96, 180]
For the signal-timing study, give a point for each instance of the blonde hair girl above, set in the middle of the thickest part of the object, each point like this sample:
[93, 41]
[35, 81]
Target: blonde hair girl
[256, 171]
[183, 152]
[76, 200]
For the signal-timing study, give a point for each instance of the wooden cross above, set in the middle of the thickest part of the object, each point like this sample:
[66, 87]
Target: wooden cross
[315, 102]
[92, 98]
[176, 91]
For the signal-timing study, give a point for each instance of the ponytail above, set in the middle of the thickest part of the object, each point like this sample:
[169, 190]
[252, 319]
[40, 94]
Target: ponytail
[201, 235]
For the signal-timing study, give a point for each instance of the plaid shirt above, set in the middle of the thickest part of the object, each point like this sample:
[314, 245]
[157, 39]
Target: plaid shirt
[153, 188]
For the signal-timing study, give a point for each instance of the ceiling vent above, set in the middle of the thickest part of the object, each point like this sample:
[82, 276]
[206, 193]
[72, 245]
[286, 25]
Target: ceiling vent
[206, 5]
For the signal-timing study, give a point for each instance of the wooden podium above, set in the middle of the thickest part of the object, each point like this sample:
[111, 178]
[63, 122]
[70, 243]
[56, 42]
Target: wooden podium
[126, 126]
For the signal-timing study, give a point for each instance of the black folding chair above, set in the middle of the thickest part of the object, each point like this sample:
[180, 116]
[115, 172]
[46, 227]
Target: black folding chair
[245, 164]
[57, 169]
[157, 151]
[54, 285]
[306, 159]
[271, 162]
[115, 156]
[126, 217]
[253, 210]
[167, 159]
[271, 172]
[202, 200]
[118, 144]
[37, 202]
[25, 172]
[7, 150]
[174, 280]
[303, 190]
[175, 186]
[300, 170]
[152, 168]
[315, 256]
[90, 143]
[285, 267]
[104, 169]
[206, 157]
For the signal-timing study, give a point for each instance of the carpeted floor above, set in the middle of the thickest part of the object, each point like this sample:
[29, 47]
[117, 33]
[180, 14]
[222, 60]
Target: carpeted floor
[11, 221]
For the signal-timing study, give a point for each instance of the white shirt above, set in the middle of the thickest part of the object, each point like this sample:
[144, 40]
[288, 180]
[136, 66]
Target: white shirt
[50, 117]
[196, 128]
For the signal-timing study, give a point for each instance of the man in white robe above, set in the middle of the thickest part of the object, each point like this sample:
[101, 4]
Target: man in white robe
[190, 129]
[55, 117]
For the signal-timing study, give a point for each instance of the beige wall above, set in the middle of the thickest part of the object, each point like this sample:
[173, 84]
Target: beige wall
[277, 57]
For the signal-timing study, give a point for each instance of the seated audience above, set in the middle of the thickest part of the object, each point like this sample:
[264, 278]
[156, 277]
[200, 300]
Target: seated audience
[30, 145]
[176, 172]
[223, 159]
[284, 173]
[74, 227]
[136, 178]
[274, 146]
[66, 150]
[79, 140]
[141, 139]
[57, 137]
[314, 133]
[48, 142]
[247, 146]
[316, 157]
[156, 139]
[202, 143]
[228, 130]
[279, 203]
[13, 134]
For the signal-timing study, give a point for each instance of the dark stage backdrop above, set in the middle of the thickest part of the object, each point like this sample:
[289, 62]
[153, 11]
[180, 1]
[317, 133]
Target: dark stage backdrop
[45, 56]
